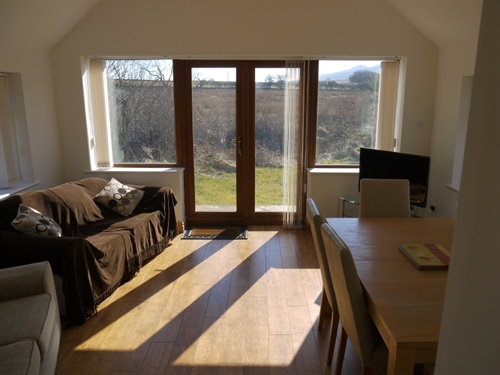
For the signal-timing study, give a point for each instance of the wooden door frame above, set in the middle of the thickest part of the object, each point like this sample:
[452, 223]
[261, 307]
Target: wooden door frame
[245, 121]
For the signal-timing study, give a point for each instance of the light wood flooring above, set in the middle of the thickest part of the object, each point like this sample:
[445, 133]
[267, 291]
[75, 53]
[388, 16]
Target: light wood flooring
[212, 307]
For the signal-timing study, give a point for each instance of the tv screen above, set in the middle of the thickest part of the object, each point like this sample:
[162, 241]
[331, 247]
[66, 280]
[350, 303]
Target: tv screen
[396, 165]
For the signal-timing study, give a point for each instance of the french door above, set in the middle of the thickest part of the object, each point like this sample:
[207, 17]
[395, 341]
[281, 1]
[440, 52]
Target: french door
[233, 135]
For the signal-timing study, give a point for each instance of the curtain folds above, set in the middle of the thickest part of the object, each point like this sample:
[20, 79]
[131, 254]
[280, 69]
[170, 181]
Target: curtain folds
[99, 113]
[388, 98]
[293, 147]
[10, 162]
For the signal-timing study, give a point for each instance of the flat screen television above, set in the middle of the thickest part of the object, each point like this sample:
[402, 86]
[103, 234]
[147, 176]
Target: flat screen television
[396, 165]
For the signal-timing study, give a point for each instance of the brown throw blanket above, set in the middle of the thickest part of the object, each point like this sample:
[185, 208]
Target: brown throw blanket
[99, 249]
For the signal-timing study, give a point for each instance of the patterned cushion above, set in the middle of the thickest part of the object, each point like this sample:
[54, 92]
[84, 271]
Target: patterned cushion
[29, 220]
[120, 198]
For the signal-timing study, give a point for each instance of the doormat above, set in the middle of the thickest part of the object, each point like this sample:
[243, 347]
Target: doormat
[218, 233]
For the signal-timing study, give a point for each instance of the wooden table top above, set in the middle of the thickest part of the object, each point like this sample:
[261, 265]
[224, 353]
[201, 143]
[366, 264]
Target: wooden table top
[405, 303]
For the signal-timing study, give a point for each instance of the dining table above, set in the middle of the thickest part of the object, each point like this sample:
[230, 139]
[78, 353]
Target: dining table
[405, 303]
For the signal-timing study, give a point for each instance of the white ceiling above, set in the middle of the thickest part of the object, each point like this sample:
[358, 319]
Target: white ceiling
[41, 24]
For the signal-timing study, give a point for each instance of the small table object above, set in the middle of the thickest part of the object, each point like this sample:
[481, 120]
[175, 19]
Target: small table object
[352, 208]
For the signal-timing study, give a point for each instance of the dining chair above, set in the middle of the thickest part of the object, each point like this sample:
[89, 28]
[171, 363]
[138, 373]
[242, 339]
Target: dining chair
[354, 318]
[384, 198]
[328, 300]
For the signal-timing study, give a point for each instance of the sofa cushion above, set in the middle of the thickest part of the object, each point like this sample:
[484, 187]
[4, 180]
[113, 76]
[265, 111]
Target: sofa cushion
[20, 358]
[28, 318]
[118, 197]
[29, 220]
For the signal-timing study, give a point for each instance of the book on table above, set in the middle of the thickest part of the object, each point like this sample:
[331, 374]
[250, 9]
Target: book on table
[427, 256]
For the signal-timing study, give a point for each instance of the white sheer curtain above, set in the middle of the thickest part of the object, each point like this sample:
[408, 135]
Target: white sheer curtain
[388, 98]
[99, 113]
[293, 148]
[10, 162]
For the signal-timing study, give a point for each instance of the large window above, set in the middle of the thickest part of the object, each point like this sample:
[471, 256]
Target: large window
[141, 109]
[354, 104]
[133, 112]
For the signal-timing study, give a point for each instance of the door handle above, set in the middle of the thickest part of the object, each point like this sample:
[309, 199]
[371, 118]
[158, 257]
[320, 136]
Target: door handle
[240, 146]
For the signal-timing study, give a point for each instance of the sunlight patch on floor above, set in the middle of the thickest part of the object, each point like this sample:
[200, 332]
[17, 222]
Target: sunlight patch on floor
[264, 320]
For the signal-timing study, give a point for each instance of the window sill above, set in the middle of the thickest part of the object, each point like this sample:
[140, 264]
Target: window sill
[128, 170]
[334, 170]
[453, 187]
[5, 193]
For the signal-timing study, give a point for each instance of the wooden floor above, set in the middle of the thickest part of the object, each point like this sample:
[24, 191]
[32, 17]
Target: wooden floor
[212, 307]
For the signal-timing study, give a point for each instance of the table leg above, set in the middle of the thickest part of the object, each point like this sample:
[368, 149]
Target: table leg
[341, 207]
[401, 361]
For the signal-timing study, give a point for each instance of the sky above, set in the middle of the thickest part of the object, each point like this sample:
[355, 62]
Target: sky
[333, 66]
[325, 67]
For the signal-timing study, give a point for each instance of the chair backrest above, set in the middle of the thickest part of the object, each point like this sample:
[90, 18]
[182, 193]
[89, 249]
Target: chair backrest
[384, 198]
[316, 220]
[353, 311]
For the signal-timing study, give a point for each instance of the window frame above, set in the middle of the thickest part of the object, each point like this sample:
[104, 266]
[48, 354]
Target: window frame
[99, 127]
[312, 107]
[15, 138]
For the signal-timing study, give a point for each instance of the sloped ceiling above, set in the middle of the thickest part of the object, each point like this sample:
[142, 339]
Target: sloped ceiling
[443, 22]
[41, 24]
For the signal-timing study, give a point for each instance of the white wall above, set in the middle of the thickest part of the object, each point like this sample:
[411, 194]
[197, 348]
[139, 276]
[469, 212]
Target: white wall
[35, 68]
[455, 62]
[250, 29]
[325, 187]
[470, 332]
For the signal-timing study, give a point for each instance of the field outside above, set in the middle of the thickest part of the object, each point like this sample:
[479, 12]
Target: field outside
[142, 114]
[143, 123]
[221, 190]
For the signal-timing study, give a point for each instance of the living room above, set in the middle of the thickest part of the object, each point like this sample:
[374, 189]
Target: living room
[52, 81]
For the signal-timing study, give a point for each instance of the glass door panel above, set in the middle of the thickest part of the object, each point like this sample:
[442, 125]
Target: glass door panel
[269, 119]
[214, 138]
[234, 137]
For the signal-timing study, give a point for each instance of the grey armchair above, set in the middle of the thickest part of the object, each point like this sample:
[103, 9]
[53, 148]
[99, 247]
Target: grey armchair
[30, 327]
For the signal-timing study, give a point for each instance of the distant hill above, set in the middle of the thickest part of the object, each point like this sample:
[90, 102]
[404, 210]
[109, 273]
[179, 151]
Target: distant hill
[345, 74]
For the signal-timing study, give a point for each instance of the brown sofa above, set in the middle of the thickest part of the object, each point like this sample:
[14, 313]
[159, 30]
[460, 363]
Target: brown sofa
[99, 249]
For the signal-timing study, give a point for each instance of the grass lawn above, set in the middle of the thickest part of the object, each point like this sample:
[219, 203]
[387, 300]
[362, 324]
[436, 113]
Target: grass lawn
[221, 189]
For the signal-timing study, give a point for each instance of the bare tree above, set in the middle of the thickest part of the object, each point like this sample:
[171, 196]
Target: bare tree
[269, 81]
[280, 81]
[142, 110]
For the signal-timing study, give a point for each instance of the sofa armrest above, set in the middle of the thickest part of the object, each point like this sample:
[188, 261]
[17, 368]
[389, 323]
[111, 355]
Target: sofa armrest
[155, 198]
[27, 280]
[162, 199]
